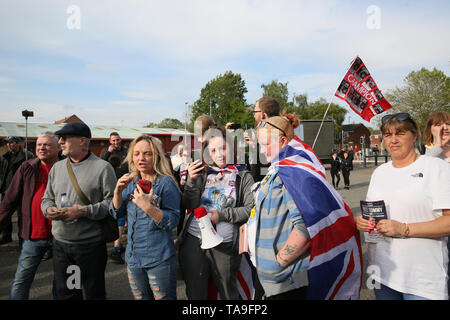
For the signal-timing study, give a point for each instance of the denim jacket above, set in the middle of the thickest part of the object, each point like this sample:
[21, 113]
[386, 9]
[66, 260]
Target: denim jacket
[150, 243]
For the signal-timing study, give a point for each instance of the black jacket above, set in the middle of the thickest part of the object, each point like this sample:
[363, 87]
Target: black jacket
[346, 164]
[9, 166]
[20, 193]
[335, 165]
[237, 216]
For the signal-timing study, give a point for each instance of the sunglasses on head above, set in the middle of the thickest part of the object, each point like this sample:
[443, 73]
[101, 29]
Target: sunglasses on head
[264, 122]
[402, 116]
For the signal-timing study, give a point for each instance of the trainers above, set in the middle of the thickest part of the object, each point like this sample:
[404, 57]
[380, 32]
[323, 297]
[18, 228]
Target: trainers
[116, 257]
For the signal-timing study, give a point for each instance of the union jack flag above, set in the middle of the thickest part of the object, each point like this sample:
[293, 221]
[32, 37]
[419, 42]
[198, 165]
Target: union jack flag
[245, 281]
[335, 267]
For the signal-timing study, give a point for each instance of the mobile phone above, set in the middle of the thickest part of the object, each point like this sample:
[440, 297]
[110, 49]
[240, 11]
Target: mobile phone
[247, 126]
[145, 185]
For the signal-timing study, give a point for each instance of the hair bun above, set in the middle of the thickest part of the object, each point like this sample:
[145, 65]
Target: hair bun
[292, 118]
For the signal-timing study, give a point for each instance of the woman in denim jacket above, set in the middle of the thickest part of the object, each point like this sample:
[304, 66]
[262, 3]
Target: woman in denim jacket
[150, 253]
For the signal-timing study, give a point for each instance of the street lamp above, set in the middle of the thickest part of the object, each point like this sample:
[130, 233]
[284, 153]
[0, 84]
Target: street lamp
[185, 122]
[26, 114]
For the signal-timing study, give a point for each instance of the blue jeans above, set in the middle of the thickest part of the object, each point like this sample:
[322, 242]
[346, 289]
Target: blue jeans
[159, 282]
[29, 260]
[386, 293]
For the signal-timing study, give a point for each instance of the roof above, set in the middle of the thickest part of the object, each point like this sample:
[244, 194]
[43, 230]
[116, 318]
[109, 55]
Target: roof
[351, 127]
[98, 132]
[72, 118]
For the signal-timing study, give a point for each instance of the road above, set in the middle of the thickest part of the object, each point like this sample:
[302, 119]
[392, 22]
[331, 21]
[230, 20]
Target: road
[117, 286]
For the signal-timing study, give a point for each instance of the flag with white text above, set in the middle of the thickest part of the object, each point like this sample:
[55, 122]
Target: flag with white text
[360, 91]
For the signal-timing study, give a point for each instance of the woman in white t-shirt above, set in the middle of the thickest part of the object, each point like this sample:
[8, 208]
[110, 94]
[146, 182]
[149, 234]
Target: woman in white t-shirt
[411, 260]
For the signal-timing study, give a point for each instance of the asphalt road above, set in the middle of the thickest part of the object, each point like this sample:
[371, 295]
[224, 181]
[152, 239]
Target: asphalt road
[117, 286]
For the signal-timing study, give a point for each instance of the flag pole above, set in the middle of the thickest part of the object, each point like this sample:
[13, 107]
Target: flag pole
[321, 124]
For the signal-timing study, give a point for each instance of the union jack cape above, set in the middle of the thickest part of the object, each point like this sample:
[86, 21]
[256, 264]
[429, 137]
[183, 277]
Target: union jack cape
[335, 267]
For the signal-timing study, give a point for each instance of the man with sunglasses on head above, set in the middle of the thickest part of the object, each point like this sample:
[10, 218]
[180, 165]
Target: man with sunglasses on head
[265, 108]
[77, 229]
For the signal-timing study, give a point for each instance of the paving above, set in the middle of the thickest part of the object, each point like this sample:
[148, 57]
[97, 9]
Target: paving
[117, 286]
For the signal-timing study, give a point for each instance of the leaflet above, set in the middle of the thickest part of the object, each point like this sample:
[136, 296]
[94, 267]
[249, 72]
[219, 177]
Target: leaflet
[373, 211]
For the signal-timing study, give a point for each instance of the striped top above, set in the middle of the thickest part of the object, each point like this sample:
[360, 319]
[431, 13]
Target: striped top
[271, 223]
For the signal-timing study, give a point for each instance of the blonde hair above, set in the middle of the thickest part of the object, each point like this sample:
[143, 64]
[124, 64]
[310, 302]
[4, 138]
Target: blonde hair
[160, 163]
[284, 125]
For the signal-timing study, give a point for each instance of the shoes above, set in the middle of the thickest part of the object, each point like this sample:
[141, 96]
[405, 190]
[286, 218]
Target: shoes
[347, 187]
[116, 257]
[6, 238]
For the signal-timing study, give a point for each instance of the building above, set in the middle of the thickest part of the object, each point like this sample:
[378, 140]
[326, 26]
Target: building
[100, 134]
[72, 118]
[376, 143]
[355, 135]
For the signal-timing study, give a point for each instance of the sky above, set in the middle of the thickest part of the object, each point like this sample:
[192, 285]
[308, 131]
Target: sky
[128, 63]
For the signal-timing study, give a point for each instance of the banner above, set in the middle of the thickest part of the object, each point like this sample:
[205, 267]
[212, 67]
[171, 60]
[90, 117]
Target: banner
[361, 92]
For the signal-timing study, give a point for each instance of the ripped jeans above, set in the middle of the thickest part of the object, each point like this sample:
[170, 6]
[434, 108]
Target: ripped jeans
[156, 283]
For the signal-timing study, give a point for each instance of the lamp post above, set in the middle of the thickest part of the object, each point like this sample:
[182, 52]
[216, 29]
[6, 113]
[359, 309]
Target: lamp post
[185, 122]
[26, 114]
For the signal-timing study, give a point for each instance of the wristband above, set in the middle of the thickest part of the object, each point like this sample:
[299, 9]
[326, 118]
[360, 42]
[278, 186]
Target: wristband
[406, 233]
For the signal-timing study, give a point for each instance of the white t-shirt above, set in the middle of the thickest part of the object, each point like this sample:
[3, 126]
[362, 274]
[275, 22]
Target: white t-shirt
[416, 193]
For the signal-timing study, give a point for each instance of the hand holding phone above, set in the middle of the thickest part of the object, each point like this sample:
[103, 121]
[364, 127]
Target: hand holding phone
[195, 168]
[146, 185]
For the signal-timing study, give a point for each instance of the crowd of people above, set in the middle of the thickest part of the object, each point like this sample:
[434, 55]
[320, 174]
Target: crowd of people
[279, 215]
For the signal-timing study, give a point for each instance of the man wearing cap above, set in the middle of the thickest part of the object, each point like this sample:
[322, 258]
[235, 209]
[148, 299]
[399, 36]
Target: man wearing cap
[12, 160]
[79, 248]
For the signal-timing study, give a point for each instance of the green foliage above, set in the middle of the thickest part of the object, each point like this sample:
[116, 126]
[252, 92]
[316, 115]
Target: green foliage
[277, 90]
[424, 93]
[166, 123]
[224, 98]
[317, 109]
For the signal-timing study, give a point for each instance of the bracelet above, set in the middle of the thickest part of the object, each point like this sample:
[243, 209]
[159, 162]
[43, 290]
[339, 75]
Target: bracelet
[406, 234]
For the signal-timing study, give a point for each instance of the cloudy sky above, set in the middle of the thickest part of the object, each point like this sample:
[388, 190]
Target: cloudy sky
[132, 62]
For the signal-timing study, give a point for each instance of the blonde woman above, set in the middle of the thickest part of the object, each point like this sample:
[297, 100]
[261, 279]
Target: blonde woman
[150, 252]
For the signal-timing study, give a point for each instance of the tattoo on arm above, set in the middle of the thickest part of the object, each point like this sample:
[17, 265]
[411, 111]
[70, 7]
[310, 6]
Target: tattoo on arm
[285, 255]
[289, 249]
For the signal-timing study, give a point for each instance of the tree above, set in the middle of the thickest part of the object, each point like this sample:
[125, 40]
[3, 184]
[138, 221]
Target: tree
[223, 97]
[424, 93]
[317, 109]
[166, 123]
[277, 90]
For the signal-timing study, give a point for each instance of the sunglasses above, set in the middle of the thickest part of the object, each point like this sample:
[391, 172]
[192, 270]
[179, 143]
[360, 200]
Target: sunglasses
[256, 111]
[264, 122]
[402, 116]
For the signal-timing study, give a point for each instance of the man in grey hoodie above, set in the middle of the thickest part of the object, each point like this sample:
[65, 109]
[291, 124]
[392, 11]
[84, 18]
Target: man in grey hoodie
[79, 247]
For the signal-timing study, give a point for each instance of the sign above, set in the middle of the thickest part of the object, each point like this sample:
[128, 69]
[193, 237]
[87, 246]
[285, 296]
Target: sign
[361, 92]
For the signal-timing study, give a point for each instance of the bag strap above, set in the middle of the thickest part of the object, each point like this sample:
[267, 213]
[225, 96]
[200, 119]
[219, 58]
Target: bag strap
[75, 184]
